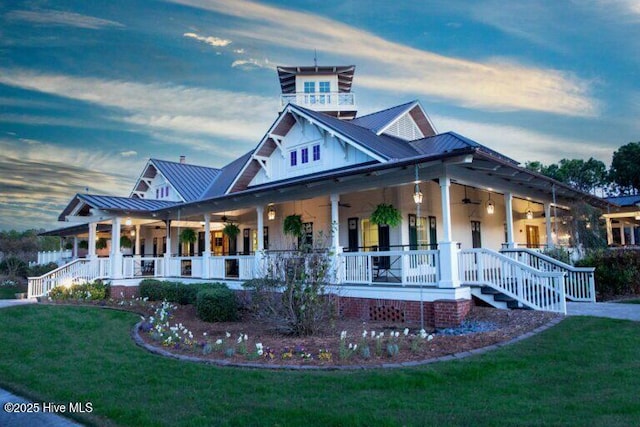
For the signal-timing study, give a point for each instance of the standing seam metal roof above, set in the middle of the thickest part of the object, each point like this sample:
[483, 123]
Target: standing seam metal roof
[190, 181]
[380, 119]
[125, 203]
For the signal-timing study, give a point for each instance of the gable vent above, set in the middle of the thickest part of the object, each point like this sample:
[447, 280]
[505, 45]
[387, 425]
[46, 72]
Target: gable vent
[405, 128]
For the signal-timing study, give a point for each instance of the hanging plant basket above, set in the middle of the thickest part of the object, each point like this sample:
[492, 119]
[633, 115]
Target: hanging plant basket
[386, 215]
[101, 243]
[83, 244]
[231, 230]
[125, 242]
[292, 225]
[188, 236]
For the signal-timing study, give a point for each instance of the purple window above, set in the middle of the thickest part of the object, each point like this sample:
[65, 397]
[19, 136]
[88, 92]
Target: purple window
[294, 158]
[305, 155]
[316, 153]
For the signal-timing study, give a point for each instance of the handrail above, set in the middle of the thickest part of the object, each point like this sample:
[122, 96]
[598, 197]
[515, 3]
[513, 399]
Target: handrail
[41, 285]
[579, 281]
[542, 290]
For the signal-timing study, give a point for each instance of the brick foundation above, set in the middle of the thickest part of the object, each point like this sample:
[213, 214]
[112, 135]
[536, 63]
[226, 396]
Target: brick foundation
[438, 314]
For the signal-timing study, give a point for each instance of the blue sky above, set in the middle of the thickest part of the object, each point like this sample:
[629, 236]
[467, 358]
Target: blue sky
[90, 90]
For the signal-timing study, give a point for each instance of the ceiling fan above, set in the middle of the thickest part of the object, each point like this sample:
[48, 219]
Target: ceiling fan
[467, 200]
[340, 204]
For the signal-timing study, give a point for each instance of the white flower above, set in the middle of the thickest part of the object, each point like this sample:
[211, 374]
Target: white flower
[142, 318]
[260, 352]
[204, 334]
[430, 337]
[381, 334]
[406, 331]
[246, 337]
[259, 345]
[239, 339]
[423, 333]
[397, 334]
[350, 346]
[228, 334]
[219, 341]
[364, 334]
[373, 334]
[343, 335]
[190, 335]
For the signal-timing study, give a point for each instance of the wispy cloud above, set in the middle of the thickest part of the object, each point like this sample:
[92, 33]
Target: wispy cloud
[252, 63]
[495, 84]
[210, 40]
[57, 17]
[180, 109]
[129, 153]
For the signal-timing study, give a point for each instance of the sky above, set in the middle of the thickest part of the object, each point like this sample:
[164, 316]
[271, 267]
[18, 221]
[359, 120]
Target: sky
[90, 90]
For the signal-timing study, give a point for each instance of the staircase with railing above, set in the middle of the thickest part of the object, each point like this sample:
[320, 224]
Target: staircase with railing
[579, 282]
[516, 281]
[77, 271]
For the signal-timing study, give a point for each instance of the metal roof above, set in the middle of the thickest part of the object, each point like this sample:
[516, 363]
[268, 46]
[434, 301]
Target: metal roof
[287, 75]
[190, 181]
[451, 141]
[624, 200]
[73, 230]
[226, 176]
[385, 146]
[124, 203]
[380, 119]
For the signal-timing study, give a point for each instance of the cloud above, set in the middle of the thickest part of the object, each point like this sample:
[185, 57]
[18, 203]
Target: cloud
[39, 179]
[213, 41]
[495, 84]
[57, 17]
[252, 63]
[516, 142]
[175, 108]
[129, 153]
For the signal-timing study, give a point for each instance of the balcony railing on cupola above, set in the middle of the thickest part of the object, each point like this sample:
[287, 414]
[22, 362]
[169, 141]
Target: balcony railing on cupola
[321, 101]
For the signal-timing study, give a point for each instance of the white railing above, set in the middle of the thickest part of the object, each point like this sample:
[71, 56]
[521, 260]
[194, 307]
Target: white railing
[77, 271]
[45, 257]
[579, 282]
[185, 267]
[138, 266]
[402, 267]
[241, 267]
[320, 100]
[540, 290]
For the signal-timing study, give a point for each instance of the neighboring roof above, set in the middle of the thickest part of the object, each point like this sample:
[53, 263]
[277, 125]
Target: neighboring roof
[450, 141]
[190, 181]
[387, 147]
[624, 200]
[287, 76]
[73, 230]
[380, 119]
[226, 176]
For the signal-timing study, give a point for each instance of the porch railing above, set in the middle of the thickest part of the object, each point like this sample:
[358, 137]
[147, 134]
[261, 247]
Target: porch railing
[143, 267]
[241, 267]
[77, 271]
[540, 290]
[579, 282]
[45, 257]
[403, 267]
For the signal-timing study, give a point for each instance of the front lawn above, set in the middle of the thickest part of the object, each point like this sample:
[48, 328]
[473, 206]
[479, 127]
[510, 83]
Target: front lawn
[629, 301]
[579, 372]
[10, 291]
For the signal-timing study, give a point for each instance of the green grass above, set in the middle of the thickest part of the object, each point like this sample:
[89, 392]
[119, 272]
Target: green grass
[629, 301]
[581, 372]
[9, 292]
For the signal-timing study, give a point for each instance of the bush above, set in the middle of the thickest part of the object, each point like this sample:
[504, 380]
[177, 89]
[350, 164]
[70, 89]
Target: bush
[617, 272]
[13, 267]
[40, 269]
[177, 292]
[93, 291]
[217, 305]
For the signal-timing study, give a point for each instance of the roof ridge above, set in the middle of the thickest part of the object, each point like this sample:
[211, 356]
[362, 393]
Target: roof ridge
[182, 164]
[386, 109]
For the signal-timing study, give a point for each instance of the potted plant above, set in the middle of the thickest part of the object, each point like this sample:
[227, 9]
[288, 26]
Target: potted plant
[386, 215]
[101, 243]
[125, 242]
[292, 225]
[188, 236]
[83, 244]
[231, 230]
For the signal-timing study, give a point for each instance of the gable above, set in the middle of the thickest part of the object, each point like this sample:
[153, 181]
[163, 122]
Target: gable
[410, 125]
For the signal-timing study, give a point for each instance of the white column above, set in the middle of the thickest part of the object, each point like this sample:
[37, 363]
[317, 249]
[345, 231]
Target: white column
[632, 228]
[508, 207]
[449, 277]
[259, 255]
[74, 255]
[137, 246]
[547, 218]
[92, 240]
[167, 250]
[609, 232]
[116, 254]
[335, 236]
[622, 239]
[206, 254]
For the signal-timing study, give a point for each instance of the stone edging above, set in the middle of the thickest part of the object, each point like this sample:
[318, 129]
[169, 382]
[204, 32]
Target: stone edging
[221, 362]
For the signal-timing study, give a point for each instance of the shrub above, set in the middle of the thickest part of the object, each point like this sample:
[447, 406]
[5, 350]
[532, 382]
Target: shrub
[176, 292]
[617, 272]
[93, 291]
[13, 267]
[217, 305]
[40, 269]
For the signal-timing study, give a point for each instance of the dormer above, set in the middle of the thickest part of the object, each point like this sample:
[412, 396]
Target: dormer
[326, 89]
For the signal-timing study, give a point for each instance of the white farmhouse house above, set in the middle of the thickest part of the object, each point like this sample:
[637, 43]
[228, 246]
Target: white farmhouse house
[472, 218]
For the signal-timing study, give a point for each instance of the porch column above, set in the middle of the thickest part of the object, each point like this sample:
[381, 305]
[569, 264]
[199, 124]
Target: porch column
[92, 240]
[116, 254]
[206, 254]
[137, 246]
[632, 228]
[609, 232]
[449, 277]
[622, 239]
[508, 207]
[547, 217]
[335, 235]
[259, 255]
[167, 250]
[74, 255]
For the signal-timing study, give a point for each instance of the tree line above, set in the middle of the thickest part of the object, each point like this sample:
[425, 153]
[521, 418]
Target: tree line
[622, 178]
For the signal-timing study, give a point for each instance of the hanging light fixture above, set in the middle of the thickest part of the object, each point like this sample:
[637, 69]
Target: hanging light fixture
[271, 212]
[491, 208]
[528, 213]
[132, 232]
[417, 194]
[128, 221]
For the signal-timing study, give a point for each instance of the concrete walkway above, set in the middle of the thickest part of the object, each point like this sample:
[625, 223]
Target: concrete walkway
[604, 309]
[16, 417]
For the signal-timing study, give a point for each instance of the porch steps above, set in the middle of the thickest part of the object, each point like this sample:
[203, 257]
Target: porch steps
[496, 298]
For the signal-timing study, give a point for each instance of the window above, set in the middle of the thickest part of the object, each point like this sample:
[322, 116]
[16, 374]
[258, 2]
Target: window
[310, 88]
[167, 191]
[293, 156]
[476, 240]
[324, 87]
[304, 155]
[324, 96]
[316, 152]
[157, 193]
